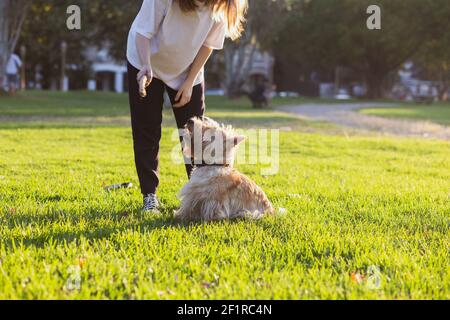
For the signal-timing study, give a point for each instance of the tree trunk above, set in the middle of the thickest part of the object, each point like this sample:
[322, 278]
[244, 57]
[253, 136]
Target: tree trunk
[238, 61]
[4, 31]
[444, 84]
[374, 83]
[230, 52]
[443, 91]
[12, 16]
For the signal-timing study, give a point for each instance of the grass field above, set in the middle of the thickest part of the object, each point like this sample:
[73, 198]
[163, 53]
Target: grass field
[353, 204]
[438, 112]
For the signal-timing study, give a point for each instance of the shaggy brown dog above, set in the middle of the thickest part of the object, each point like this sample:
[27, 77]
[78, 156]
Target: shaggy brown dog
[216, 190]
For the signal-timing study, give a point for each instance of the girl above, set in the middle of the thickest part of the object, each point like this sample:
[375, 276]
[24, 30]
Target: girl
[169, 42]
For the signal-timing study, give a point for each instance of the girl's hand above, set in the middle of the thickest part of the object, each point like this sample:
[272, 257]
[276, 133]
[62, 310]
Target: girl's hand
[184, 94]
[146, 70]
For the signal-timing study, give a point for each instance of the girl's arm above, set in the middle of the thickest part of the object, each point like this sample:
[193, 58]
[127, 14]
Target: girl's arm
[185, 93]
[143, 49]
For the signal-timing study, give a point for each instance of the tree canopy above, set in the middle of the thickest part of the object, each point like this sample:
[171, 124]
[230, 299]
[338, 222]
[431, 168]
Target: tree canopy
[103, 23]
[323, 34]
[303, 35]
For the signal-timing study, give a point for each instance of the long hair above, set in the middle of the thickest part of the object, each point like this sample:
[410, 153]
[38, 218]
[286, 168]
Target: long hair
[231, 11]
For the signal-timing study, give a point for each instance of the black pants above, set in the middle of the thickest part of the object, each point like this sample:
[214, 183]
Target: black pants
[146, 119]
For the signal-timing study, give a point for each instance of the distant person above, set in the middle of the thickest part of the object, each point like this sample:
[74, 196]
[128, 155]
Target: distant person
[12, 72]
[260, 95]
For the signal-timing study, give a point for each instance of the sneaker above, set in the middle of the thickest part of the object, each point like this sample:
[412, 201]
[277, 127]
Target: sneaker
[151, 203]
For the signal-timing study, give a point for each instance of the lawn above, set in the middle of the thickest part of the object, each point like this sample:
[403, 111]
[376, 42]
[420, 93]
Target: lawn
[360, 216]
[438, 112]
[93, 109]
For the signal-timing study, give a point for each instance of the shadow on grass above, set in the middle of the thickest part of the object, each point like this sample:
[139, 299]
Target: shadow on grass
[93, 231]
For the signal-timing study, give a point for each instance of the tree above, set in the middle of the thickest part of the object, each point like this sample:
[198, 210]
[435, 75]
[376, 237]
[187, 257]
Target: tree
[405, 30]
[12, 17]
[434, 64]
[258, 32]
[323, 34]
[433, 60]
[44, 31]
[103, 24]
[110, 22]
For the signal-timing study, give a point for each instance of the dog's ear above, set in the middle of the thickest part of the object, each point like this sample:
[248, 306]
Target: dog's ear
[210, 122]
[190, 124]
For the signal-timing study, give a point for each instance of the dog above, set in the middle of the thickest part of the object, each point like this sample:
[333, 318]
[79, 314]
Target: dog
[217, 191]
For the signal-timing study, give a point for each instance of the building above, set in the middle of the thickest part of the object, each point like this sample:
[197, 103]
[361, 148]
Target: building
[410, 88]
[106, 73]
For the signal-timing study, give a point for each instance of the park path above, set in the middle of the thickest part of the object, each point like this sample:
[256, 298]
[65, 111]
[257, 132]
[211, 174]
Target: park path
[346, 114]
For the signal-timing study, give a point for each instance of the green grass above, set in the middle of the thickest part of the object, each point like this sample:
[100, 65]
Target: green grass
[438, 113]
[351, 202]
[72, 104]
[96, 104]
[40, 109]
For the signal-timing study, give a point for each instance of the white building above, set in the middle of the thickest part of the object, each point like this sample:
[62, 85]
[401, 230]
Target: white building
[107, 74]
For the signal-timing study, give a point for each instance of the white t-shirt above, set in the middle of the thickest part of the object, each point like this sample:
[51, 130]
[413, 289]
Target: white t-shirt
[13, 65]
[176, 38]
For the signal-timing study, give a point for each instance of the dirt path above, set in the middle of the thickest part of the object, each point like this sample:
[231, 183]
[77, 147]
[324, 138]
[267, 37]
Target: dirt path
[346, 114]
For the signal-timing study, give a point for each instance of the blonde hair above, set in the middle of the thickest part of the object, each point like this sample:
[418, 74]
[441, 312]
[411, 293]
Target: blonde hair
[232, 12]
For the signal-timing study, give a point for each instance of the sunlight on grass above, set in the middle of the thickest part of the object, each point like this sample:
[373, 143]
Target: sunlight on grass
[351, 203]
[438, 113]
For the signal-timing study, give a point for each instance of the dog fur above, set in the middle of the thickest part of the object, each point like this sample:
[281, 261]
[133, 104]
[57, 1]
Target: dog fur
[217, 191]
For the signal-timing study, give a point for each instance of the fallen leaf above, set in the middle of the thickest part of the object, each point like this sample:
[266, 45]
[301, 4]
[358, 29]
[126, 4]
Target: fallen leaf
[81, 262]
[357, 277]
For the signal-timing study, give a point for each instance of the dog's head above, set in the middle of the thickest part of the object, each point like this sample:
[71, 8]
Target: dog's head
[207, 142]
